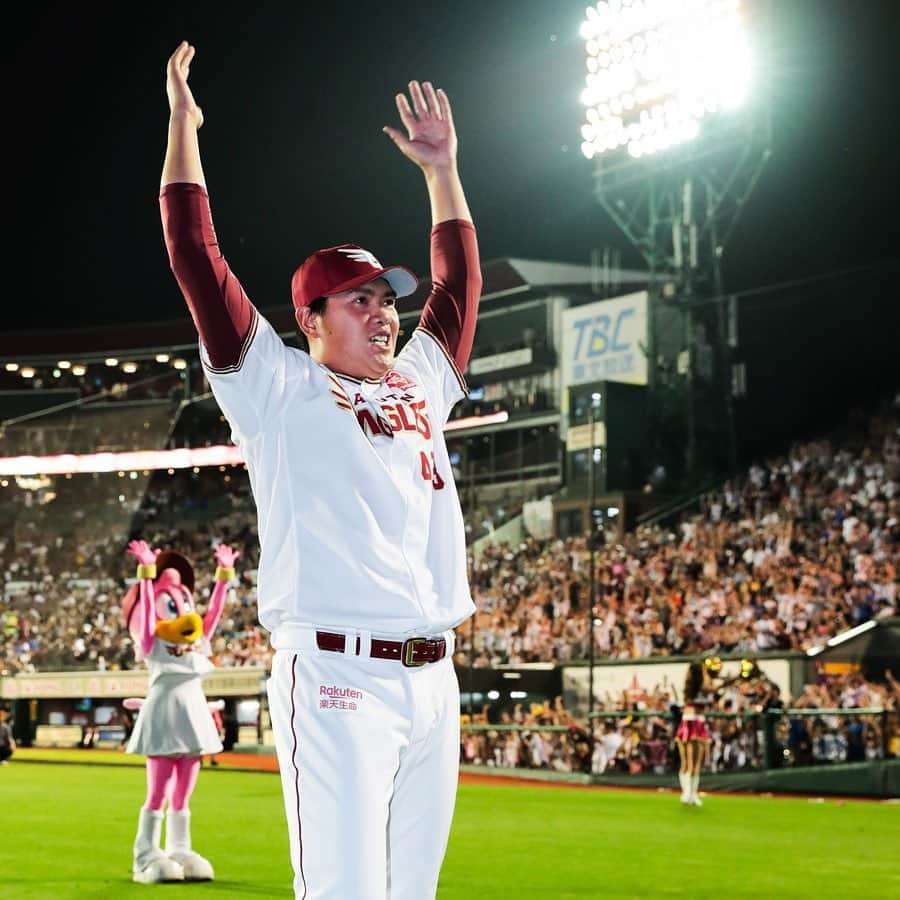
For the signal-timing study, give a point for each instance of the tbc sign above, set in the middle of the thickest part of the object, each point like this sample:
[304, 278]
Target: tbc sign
[604, 341]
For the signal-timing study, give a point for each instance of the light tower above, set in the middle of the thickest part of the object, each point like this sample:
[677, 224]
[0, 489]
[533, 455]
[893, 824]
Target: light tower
[679, 131]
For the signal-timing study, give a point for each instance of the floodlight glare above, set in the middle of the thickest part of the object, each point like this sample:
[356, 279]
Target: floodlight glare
[656, 68]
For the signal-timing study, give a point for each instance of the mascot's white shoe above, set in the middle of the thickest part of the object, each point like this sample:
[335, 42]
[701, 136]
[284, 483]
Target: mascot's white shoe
[178, 847]
[151, 865]
[194, 866]
[159, 869]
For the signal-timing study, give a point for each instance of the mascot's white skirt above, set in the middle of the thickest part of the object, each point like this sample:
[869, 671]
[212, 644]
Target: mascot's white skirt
[175, 720]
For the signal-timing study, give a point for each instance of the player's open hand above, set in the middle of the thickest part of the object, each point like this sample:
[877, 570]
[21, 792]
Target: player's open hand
[181, 99]
[430, 139]
[142, 553]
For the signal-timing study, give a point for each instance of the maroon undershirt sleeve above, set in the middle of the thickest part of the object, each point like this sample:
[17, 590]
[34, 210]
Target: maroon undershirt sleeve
[451, 310]
[219, 307]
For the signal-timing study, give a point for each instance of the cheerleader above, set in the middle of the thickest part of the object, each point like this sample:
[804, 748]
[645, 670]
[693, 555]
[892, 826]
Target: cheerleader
[692, 738]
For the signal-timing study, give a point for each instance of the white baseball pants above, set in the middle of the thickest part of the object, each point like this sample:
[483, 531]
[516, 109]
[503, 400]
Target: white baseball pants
[369, 756]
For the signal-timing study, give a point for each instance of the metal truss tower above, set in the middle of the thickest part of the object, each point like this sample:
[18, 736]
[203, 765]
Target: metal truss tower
[679, 209]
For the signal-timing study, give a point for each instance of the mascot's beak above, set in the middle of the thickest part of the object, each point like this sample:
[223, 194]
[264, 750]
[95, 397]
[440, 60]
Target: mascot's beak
[183, 630]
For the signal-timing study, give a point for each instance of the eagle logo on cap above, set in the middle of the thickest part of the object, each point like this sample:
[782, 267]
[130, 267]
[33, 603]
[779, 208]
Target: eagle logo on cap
[357, 254]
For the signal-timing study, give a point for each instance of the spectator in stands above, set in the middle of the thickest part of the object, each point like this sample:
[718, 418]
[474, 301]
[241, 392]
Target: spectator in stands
[230, 729]
[799, 742]
[606, 747]
[215, 708]
[127, 726]
[7, 741]
[857, 739]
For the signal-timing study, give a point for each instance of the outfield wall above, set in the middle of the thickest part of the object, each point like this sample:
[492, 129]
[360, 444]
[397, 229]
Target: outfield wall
[63, 709]
[877, 779]
[237, 682]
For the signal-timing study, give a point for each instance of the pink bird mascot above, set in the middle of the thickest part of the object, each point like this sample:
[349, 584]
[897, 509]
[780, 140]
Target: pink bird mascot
[174, 727]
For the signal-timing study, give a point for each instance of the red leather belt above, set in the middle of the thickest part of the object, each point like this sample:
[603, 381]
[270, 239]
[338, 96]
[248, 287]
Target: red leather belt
[412, 652]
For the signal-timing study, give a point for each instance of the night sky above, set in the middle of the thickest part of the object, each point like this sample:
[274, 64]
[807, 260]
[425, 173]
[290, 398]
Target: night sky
[294, 102]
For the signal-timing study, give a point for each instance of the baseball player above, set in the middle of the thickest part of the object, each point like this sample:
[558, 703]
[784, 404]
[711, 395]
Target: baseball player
[362, 574]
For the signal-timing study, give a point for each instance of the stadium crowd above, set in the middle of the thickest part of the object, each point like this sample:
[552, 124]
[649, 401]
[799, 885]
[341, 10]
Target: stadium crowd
[63, 592]
[801, 548]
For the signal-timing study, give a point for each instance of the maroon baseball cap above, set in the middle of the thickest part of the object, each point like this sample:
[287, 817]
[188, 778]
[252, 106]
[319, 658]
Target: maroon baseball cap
[341, 268]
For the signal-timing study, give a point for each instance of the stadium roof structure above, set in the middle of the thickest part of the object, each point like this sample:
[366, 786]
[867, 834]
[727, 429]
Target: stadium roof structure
[506, 276]
[503, 278]
[874, 646]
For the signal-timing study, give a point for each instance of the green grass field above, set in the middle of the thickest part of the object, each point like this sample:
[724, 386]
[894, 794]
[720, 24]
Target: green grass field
[68, 829]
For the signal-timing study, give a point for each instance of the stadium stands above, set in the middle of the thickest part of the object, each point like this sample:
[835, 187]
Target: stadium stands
[800, 548]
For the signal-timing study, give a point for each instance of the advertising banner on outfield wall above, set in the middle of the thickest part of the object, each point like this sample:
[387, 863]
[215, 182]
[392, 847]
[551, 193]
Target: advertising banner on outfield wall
[605, 341]
[239, 682]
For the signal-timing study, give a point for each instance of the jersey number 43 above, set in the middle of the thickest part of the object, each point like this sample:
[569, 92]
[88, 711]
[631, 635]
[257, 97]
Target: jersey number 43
[429, 470]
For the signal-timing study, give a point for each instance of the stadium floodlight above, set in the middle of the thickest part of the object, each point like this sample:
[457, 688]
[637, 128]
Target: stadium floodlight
[27, 372]
[657, 68]
[12, 367]
[64, 364]
[162, 357]
[129, 367]
[79, 369]
[111, 361]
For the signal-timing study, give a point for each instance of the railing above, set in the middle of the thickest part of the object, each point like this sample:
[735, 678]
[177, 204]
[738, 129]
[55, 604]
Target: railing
[642, 741]
[676, 505]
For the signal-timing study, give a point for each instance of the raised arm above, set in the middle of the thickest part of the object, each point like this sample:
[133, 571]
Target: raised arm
[182, 161]
[224, 317]
[430, 142]
[146, 573]
[225, 559]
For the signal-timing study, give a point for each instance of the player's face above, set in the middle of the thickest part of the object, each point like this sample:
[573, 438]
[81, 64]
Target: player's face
[357, 333]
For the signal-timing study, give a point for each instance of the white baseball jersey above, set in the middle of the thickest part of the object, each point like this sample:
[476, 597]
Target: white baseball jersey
[359, 521]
